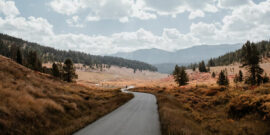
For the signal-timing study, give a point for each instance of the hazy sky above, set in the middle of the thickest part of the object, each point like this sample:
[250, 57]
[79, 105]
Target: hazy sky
[110, 26]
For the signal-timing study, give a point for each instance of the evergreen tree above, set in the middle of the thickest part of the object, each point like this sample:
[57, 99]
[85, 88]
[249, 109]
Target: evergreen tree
[69, 71]
[55, 70]
[202, 67]
[180, 75]
[240, 77]
[33, 62]
[223, 79]
[213, 75]
[19, 57]
[194, 68]
[211, 63]
[250, 60]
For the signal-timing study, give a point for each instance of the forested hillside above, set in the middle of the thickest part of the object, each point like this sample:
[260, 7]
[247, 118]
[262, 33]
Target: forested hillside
[229, 58]
[9, 46]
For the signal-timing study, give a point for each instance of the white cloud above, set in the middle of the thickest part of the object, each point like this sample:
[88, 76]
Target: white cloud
[233, 3]
[123, 20]
[141, 9]
[195, 14]
[172, 7]
[74, 22]
[250, 22]
[8, 8]
[67, 7]
[92, 18]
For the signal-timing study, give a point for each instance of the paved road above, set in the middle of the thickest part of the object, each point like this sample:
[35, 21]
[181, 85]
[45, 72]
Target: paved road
[137, 117]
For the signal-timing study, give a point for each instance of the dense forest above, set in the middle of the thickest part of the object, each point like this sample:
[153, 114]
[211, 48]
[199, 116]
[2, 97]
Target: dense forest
[9, 46]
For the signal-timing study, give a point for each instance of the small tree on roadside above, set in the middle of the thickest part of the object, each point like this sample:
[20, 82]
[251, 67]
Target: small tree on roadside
[223, 79]
[180, 75]
[69, 71]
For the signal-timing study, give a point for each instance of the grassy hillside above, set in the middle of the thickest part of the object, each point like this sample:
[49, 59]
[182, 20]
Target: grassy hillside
[36, 103]
[9, 46]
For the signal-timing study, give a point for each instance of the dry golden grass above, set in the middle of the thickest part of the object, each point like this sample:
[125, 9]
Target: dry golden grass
[36, 103]
[205, 109]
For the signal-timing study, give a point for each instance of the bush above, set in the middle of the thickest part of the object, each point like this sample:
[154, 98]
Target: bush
[246, 104]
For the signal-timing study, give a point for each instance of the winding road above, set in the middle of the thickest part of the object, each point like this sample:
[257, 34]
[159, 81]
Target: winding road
[139, 116]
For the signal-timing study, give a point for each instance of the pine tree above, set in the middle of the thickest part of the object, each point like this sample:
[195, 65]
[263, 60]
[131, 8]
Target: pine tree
[211, 63]
[180, 75]
[194, 68]
[19, 57]
[55, 70]
[223, 79]
[240, 77]
[202, 67]
[69, 71]
[33, 62]
[250, 60]
[213, 75]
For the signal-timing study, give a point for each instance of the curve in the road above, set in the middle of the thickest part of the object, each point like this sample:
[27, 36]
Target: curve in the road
[139, 116]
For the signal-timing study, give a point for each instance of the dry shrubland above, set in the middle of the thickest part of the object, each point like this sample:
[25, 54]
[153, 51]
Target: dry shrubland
[210, 109]
[36, 103]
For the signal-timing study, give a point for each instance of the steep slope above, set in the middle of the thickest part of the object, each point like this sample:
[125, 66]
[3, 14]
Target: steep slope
[36, 103]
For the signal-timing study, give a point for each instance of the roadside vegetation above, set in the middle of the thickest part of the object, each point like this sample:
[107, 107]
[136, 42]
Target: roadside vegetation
[203, 109]
[32, 102]
[241, 106]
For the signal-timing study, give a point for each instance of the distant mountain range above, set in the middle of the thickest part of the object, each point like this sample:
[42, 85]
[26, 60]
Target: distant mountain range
[165, 60]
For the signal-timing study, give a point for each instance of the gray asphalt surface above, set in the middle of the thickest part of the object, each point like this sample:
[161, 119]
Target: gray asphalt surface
[139, 116]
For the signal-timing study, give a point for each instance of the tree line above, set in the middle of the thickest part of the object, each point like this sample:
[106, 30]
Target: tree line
[250, 56]
[48, 54]
[263, 49]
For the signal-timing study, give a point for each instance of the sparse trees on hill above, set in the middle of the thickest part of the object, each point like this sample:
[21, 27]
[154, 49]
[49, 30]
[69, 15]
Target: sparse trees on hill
[180, 75]
[223, 79]
[9, 45]
[69, 71]
[202, 67]
[250, 60]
